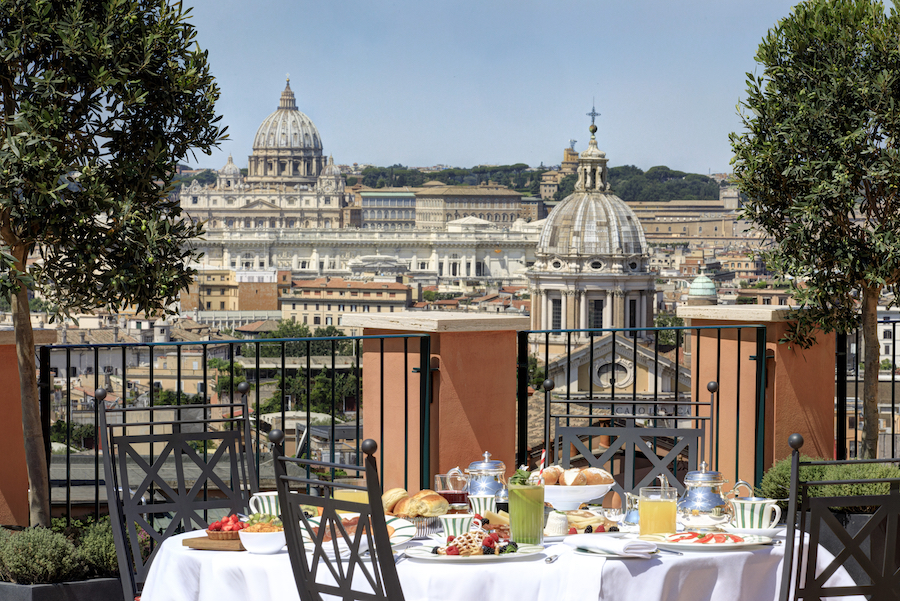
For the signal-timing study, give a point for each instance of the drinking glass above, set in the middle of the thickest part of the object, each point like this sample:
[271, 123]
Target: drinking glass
[526, 514]
[657, 510]
[452, 487]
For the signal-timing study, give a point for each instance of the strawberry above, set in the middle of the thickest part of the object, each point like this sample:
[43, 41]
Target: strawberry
[215, 526]
[450, 539]
[573, 530]
[453, 550]
[227, 528]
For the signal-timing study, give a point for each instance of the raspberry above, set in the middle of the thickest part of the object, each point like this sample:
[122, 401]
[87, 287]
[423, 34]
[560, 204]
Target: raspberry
[488, 542]
[573, 531]
[495, 536]
[600, 528]
[453, 550]
[487, 550]
[588, 529]
[450, 538]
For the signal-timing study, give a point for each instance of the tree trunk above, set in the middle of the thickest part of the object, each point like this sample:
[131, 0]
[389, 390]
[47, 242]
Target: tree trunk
[869, 448]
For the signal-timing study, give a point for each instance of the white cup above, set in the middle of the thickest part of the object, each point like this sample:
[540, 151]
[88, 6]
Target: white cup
[458, 523]
[481, 504]
[755, 512]
[265, 502]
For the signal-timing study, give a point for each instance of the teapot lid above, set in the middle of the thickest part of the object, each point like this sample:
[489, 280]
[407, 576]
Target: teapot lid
[486, 465]
[704, 476]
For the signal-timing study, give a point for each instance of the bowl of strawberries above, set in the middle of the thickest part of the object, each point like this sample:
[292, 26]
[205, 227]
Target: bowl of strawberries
[226, 529]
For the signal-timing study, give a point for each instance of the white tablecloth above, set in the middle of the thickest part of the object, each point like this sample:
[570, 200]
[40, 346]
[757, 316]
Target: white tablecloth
[182, 574]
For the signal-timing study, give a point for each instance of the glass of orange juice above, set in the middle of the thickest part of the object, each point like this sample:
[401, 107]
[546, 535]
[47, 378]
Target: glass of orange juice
[657, 509]
[354, 496]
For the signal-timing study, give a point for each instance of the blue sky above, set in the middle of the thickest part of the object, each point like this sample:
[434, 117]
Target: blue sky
[467, 82]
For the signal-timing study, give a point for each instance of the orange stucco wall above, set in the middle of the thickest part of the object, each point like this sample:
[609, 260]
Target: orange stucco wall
[13, 473]
[473, 404]
[799, 393]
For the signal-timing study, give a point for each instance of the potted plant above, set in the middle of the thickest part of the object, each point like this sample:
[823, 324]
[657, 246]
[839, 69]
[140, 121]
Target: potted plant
[776, 485]
[40, 564]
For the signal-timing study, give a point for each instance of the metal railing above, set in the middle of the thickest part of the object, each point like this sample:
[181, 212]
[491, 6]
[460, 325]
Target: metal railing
[325, 372]
[602, 391]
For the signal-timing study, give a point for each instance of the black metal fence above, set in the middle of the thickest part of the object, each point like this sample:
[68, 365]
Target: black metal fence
[294, 379]
[634, 389]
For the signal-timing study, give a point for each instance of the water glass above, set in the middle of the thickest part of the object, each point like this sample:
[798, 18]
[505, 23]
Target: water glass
[657, 509]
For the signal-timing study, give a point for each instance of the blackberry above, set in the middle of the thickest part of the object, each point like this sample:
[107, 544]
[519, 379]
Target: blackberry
[307, 514]
[588, 529]
[506, 549]
[613, 529]
[485, 522]
[487, 550]
[513, 545]
[434, 550]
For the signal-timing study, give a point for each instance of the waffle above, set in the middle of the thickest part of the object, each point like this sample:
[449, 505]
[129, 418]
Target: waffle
[468, 544]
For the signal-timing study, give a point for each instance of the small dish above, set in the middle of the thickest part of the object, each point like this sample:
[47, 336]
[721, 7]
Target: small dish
[262, 543]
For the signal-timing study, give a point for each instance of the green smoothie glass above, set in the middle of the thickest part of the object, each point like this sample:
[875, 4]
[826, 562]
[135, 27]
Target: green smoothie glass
[526, 514]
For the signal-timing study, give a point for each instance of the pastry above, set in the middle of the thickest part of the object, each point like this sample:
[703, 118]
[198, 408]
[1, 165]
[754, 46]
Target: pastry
[595, 475]
[389, 499]
[552, 474]
[429, 505]
[402, 507]
[573, 477]
[468, 544]
[422, 493]
[581, 519]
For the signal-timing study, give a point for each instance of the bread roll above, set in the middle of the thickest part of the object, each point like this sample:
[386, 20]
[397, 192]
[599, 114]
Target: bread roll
[552, 474]
[422, 493]
[573, 477]
[390, 498]
[594, 475]
[402, 507]
[429, 506]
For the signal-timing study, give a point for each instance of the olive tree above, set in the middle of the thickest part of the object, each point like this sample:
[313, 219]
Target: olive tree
[99, 102]
[819, 164]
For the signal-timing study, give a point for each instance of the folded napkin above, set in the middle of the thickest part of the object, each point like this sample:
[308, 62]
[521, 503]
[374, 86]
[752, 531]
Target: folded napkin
[624, 547]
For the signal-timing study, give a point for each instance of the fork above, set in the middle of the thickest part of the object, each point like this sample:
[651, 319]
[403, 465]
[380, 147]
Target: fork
[399, 557]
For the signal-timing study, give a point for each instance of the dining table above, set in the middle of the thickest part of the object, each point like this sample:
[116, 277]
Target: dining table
[180, 573]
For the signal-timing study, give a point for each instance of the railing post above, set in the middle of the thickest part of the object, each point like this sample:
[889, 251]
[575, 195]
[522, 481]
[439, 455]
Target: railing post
[760, 464]
[522, 401]
[425, 412]
[44, 392]
[840, 391]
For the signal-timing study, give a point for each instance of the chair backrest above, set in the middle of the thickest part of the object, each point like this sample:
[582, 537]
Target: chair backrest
[171, 469]
[873, 550]
[353, 563]
[635, 443]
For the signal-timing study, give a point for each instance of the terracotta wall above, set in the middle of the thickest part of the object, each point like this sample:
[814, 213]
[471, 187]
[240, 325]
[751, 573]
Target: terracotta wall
[258, 296]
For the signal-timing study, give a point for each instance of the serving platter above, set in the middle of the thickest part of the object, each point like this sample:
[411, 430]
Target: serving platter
[749, 541]
[424, 553]
[404, 531]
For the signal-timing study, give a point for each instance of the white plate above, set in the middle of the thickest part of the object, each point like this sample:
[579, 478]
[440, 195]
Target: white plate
[770, 532]
[404, 531]
[556, 539]
[525, 552]
[749, 541]
[610, 555]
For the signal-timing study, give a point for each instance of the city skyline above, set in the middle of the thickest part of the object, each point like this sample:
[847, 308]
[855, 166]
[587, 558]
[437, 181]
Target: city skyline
[467, 83]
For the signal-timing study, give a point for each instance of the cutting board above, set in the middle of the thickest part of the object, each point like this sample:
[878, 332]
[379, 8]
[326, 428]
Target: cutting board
[204, 543]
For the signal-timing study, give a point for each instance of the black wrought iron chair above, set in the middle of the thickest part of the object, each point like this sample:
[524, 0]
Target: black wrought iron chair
[874, 548]
[171, 469]
[340, 566]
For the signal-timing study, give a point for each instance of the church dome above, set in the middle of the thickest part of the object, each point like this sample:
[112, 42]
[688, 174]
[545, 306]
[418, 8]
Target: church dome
[230, 168]
[592, 221]
[287, 127]
[331, 169]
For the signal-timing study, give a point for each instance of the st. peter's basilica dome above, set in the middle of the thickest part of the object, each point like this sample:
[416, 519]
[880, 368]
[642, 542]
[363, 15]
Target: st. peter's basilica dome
[287, 127]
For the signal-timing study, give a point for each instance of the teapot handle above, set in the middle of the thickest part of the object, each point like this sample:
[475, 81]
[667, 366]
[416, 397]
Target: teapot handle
[738, 484]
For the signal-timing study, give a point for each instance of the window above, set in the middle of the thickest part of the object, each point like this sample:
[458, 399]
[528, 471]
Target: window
[328, 321]
[317, 320]
[595, 319]
[222, 305]
[887, 334]
[555, 314]
[632, 315]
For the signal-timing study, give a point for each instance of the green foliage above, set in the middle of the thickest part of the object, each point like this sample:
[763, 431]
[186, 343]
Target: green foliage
[536, 373]
[886, 365]
[224, 375]
[161, 396]
[566, 187]
[291, 329]
[660, 183]
[819, 166]
[513, 176]
[202, 445]
[205, 177]
[77, 433]
[96, 550]
[38, 555]
[669, 337]
[345, 385]
[776, 481]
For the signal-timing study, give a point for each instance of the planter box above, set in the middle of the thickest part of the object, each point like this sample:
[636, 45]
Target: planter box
[98, 589]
